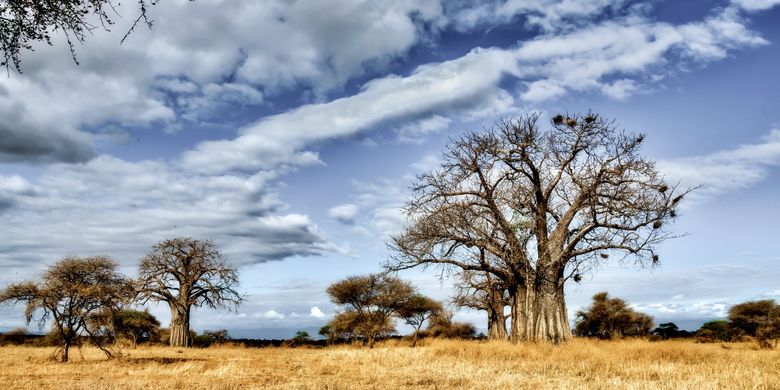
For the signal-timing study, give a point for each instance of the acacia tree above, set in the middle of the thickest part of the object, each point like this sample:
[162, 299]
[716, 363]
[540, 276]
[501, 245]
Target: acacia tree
[484, 291]
[133, 325]
[608, 318]
[70, 292]
[372, 301]
[24, 22]
[418, 310]
[760, 319]
[546, 204]
[185, 272]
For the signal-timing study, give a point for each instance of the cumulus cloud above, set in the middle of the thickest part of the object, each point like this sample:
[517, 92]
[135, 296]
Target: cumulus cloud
[316, 312]
[344, 213]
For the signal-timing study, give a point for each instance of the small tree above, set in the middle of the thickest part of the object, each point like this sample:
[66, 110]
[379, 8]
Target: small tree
[418, 310]
[718, 330]
[70, 293]
[442, 325]
[760, 319]
[184, 272]
[670, 330]
[133, 325]
[608, 318]
[372, 301]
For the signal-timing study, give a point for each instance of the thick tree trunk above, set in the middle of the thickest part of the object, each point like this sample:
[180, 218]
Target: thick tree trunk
[496, 318]
[539, 313]
[180, 326]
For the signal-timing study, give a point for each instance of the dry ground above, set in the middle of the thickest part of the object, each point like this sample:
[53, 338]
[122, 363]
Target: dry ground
[436, 365]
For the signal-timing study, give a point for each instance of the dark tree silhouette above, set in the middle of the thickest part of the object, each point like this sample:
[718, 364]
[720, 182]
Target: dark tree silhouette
[70, 292]
[418, 310]
[548, 205]
[371, 301]
[608, 318]
[184, 272]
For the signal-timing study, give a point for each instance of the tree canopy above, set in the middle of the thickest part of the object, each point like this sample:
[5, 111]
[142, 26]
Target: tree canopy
[70, 292]
[371, 301]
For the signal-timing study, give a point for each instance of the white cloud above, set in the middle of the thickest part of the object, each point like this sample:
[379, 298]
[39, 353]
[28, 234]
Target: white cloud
[431, 88]
[271, 315]
[549, 15]
[773, 293]
[239, 55]
[111, 206]
[415, 132]
[726, 170]
[316, 312]
[755, 5]
[344, 213]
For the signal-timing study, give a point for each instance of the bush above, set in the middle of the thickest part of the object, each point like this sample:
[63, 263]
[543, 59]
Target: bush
[759, 319]
[717, 331]
[441, 325]
[608, 318]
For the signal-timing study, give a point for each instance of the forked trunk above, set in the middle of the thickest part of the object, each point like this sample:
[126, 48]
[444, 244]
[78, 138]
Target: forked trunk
[180, 326]
[496, 318]
[539, 313]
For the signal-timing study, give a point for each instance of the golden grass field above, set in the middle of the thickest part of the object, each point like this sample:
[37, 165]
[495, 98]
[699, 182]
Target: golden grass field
[437, 364]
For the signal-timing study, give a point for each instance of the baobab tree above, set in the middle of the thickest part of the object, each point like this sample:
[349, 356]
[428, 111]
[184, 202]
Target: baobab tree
[71, 292]
[185, 272]
[546, 204]
[484, 291]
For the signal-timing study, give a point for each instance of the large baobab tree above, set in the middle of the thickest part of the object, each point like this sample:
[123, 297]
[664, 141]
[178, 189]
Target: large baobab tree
[184, 272]
[70, 293]
[546, 204]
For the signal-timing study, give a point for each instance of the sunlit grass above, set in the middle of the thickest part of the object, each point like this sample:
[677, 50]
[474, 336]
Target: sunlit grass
[438, 364]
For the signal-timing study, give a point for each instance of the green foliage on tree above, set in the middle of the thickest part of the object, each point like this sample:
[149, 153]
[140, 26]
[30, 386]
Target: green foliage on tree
[759, 319]
[717, 330]
[608, 318]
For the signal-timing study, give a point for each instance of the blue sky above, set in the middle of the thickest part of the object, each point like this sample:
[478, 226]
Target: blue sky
[288, 132]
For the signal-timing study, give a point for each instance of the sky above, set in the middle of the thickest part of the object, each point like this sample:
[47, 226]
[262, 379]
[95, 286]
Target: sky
[289, 132]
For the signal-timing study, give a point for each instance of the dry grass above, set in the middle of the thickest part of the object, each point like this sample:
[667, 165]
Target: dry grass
[437, 365]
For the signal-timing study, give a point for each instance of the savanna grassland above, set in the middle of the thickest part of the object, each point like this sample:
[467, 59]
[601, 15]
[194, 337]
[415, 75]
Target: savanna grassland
[437, 364]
